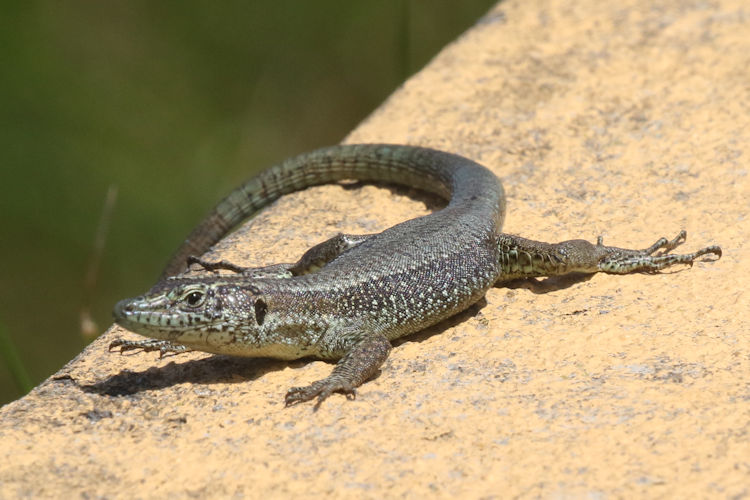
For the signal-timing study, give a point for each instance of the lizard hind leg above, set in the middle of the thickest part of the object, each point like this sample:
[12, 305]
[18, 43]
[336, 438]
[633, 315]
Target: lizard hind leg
[523, 258]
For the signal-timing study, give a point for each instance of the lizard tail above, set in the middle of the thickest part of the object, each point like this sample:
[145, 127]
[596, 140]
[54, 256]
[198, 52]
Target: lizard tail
[441, 173]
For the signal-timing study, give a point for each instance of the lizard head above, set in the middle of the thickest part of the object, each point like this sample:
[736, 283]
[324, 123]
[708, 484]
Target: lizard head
[193, 311]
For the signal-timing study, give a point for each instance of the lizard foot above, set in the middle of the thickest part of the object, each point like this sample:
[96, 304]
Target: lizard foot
[624, 261]
[320, 389]
[150, 345]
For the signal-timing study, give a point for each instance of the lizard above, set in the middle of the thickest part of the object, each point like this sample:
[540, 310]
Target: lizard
[348, 297]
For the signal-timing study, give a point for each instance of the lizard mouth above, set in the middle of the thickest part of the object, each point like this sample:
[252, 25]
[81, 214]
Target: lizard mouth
[155, 318]
[145, 317]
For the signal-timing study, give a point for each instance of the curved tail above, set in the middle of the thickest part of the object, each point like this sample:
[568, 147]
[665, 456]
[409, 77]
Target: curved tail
[427, 169]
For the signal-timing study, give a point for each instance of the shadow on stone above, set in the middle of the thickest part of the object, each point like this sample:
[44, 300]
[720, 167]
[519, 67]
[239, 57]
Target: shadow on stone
[546, 285]
[210, 370]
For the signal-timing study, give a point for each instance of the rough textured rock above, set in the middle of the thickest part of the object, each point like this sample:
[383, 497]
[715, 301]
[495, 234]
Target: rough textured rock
[628, 119]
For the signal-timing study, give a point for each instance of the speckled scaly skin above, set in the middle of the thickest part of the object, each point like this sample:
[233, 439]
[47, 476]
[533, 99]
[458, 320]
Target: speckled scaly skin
[348, 297]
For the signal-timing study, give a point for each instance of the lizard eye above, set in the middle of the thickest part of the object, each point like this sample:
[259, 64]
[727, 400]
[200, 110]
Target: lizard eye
[194, 299]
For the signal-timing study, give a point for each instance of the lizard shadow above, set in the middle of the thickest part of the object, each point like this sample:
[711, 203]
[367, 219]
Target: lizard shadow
[546, 285]
[212, 369]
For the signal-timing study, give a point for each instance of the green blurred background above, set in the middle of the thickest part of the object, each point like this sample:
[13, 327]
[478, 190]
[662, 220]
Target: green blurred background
[170, 104]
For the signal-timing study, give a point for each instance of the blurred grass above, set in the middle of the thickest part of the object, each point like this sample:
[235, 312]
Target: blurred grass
[173, 103]
[10, 357]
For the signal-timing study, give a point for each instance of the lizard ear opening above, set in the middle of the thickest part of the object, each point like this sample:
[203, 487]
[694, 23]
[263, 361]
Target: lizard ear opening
[260, 310]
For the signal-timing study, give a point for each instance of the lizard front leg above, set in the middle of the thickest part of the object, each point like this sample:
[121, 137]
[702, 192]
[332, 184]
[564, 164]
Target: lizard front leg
[358, 365]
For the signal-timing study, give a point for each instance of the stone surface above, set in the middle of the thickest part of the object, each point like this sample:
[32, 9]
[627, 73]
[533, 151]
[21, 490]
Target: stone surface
[628, 119]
